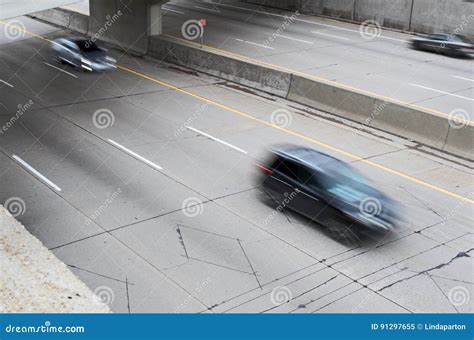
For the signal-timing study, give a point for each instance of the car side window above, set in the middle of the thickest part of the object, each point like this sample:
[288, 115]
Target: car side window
[70, 45]
[287, 167]
[305, 175]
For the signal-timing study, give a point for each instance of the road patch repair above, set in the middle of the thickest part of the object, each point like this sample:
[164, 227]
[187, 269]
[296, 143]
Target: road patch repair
[33, 280]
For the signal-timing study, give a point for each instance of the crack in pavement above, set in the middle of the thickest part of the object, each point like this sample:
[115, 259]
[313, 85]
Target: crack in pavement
[442, 265]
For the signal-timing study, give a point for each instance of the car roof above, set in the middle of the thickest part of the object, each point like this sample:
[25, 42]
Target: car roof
[310, 157]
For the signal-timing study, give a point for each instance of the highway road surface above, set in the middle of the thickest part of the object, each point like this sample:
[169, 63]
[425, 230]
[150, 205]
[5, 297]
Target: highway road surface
[142, 180]
[372, 60]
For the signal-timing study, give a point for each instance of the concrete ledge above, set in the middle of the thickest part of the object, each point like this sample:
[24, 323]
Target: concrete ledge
[33, 280]
[220, 65]
[55, 16]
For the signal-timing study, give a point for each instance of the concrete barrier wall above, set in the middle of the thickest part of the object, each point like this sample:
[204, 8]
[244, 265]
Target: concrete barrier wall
[443, 16]
[460, 141]
[388, 116]
[421, 16]
[220, 65]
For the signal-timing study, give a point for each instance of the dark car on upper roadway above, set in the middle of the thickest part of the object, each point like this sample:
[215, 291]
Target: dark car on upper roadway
[83, 54]
[326, 190]
[454, 45]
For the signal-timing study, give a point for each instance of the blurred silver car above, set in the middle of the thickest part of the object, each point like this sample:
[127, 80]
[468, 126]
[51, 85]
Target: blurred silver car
[83, 54]
[454, 45]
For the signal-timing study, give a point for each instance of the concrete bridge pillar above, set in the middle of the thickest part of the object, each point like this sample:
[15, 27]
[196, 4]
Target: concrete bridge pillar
[125, 23]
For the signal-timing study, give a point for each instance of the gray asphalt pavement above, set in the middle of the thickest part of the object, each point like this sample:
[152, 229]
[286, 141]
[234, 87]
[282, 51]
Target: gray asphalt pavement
[377, 61]
[142, 180]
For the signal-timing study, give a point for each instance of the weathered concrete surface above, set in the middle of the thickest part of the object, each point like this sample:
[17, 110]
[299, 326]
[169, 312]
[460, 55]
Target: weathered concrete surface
[33, 280]
[220, 65]
[125, 24]
[65, 18]
[455, 16]
[423, 16]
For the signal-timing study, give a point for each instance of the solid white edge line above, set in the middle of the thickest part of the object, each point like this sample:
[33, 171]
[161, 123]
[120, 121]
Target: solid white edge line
[217, 139]
[172, 10]
[208, 9]
[36, 173]
[302, 20]
[59, 69]
[135, 155]
[252, 43]
[329, 35]
[300, 40]
[6, 83]
[464, 78]
[443, 92]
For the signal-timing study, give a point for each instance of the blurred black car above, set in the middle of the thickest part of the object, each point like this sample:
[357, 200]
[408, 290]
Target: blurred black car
[326, 190]
[454, 45]
[83, 54]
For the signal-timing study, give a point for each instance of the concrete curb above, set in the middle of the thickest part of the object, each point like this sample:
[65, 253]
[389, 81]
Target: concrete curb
[33, 280]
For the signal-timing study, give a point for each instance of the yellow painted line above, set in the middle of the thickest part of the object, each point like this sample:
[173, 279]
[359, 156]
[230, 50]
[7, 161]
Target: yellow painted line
[297, 134]
[327, 81]
[16, 26]
[312, 140]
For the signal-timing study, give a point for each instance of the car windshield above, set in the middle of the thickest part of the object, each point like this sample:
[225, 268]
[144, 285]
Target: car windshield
[461, 38]
[343, 181]
[440, 37]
